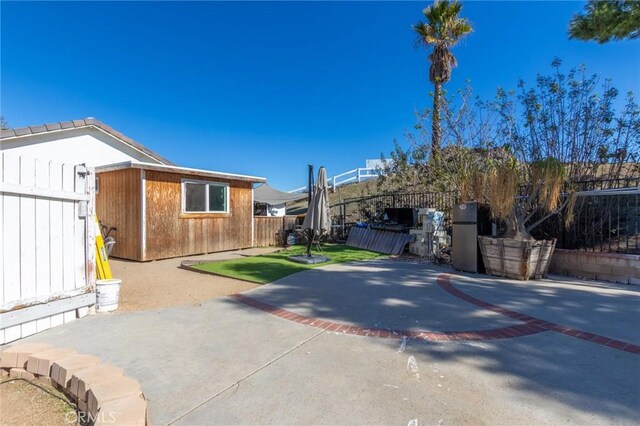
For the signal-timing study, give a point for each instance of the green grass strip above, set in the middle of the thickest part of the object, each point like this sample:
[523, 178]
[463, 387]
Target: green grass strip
[267, 268]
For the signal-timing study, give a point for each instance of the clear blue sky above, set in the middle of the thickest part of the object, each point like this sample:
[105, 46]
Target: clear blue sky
[248, 87]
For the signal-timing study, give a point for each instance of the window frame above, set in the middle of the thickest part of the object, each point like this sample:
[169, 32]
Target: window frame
[208, 183]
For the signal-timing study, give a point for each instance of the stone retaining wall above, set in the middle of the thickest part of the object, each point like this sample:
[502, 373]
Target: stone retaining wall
[101, 393]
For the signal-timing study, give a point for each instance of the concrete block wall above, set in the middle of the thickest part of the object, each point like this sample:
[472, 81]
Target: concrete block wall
[620, 268]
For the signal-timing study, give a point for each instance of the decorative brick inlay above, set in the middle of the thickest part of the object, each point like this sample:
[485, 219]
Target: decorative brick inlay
[434, 336]
[532, 325]
[445, 283]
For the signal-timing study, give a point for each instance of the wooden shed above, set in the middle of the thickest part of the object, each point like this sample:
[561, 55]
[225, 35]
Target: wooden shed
[163, 211]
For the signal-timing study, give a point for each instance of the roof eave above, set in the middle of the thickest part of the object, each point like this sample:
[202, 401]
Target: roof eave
[78, 124]
[179, 170]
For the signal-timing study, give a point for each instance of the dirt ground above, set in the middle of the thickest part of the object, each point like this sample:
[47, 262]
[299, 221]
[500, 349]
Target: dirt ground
[23, 403]
[161, 283]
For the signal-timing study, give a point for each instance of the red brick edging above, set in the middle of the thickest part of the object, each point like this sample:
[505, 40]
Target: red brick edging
[532, 325]
[498, 333]
[445, 283]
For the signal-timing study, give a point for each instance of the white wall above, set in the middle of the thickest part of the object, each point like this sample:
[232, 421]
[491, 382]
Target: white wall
[276, 210]
[372, 164]
[75, 146]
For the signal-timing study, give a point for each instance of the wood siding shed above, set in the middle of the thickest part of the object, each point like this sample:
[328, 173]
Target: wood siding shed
[119, 204]
[145, 205]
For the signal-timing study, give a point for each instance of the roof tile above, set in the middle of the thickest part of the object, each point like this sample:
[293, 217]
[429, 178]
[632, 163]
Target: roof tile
[23, 131]
[7, 133]
[38, 129]
[53, 126]
[90, 121]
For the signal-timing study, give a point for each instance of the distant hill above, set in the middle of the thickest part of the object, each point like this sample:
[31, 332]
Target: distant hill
[350, 190]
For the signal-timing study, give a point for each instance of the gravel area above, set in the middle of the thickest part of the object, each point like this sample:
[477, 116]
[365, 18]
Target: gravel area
[23, 403]
[162, 283]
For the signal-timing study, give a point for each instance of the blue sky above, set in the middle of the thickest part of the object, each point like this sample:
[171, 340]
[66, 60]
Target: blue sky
[248, 87]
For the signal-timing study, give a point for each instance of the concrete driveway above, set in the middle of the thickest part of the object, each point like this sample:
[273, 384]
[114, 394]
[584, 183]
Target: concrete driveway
[382, 342]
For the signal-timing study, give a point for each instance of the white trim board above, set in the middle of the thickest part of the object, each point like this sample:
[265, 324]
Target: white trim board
[15, 189]
[35, 312]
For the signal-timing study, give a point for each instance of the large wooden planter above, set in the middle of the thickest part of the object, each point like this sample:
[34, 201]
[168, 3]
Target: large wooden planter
[516, 259]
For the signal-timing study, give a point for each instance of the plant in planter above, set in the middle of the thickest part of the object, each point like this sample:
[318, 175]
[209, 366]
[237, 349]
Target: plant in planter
[521, 195]
[566, 130]
[522, 153]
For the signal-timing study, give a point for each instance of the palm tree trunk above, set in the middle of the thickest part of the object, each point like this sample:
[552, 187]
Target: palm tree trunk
[435, 125]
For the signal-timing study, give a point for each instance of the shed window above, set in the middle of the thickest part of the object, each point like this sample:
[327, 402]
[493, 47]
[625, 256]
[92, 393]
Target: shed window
[205, 197]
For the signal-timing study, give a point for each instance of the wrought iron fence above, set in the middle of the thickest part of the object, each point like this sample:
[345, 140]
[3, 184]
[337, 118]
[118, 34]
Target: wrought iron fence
[602, 223]
[605, 223]
[371, 208]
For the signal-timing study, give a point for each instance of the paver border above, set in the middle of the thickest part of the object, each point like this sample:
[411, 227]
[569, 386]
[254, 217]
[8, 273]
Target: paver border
[497, 333]
[531, 325]
[444, 281]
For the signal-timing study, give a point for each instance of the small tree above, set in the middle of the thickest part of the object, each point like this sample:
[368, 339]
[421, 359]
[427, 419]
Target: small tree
[523, 151]
[555, 134]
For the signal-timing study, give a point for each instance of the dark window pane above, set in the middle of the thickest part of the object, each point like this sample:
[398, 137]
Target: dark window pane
[217, 198]
[195, 198]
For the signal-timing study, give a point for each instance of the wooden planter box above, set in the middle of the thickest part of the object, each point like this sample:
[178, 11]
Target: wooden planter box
[516, 259]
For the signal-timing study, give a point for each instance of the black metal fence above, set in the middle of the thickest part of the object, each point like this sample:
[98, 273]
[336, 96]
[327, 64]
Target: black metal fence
[602, 223]
[371, 208]
[605, 223]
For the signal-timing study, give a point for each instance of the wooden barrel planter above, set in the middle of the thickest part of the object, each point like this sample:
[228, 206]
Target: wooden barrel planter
[521, 260]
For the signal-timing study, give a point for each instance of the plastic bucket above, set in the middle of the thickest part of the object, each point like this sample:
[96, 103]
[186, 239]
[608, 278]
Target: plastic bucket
[107, 295]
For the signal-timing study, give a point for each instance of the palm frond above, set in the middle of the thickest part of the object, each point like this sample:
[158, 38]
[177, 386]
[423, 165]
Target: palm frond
[443, 24]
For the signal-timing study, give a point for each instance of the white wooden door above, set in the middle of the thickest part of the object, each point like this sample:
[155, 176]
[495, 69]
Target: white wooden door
[46, 244]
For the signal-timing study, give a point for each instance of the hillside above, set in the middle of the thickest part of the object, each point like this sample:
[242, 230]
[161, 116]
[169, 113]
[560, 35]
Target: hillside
[351, 190]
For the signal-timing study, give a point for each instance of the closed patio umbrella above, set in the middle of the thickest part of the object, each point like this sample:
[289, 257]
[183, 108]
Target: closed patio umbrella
[317, 221]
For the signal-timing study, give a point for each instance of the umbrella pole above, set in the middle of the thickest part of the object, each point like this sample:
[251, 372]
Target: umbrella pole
[310, 235]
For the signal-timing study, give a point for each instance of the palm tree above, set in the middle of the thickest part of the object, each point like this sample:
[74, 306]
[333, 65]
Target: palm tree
[443, 30]
[604, 21]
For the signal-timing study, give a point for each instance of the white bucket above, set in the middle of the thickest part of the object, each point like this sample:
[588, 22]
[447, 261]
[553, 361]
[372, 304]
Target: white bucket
[107, 295]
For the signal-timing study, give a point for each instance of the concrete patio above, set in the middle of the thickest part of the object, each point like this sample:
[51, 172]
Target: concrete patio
[440, 350]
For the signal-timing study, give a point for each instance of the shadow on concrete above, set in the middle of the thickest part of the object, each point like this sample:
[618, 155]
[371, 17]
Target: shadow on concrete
[401, 295]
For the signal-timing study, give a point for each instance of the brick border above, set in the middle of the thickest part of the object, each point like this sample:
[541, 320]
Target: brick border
[531, 325]
[444, 281]
[434, 336]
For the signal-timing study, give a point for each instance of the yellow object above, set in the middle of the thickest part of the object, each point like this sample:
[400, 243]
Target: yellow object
[102, 260]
